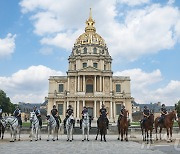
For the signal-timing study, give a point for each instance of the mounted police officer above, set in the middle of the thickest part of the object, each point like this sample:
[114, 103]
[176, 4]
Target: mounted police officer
[54, 113]
[103, 113]
[69, 112]
[146, 114]
[1, 111]
[38, 114]
[121, 114]
[17, 114]
[163, 113]
[85, 110]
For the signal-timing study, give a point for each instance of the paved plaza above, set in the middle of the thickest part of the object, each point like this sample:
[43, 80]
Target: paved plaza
[112, 146]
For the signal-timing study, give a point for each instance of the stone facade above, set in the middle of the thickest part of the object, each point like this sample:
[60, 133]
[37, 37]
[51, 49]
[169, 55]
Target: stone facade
[90, 81]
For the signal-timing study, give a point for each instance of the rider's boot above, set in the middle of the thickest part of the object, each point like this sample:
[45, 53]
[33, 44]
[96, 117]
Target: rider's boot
[81, 124]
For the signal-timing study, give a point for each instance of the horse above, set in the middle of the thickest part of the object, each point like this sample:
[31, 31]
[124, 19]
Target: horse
[168, 124]
[85, 125]
[179, 122]
[147, 126]
[69, 128]
[52, 127]
[35, 127]
[102, 127]
[14, 127]
[123, 126]
[2, 128]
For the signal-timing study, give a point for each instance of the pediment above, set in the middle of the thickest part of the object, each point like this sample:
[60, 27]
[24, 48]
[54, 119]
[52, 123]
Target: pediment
[89, 69]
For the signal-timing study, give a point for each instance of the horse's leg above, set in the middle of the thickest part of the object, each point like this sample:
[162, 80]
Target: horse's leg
[121, 134]
[3, 130]
[0, 129]
[151, 136]
[167, 129]
[67, 131]
[54, 133]
[36, 133]
[19, 130]
[70, 133]
[39, 132]
[31, 134]
[101, 134]
[171, 134]
[82, 132]
[118, 132]
[127, 134]
[88, 133]
[104, 132]
[48, 133]
[97, 134]
[160, 132]
[147, 138]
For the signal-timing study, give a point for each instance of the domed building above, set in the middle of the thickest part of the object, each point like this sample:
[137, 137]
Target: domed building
[90, 81]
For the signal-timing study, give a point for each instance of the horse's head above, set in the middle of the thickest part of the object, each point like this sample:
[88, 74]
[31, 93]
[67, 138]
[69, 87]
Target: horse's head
[48, 117]
[86, 116]
[32, 116]
[126, 113]
[151, 117]
[3, 121]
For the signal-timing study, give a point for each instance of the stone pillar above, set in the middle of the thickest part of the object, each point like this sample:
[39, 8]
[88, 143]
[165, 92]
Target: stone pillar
[75, 109]
[95, 83]
[84, 83]
[68, 84]
[78, 83]
[84, 104]
[111, 110]
[64, 109]
[100, 83]
[67, 104]
[75, 89]
[103, 84]
[100, 104]
[95, 109]
[78, 109]
[114, 108]
[110, 84]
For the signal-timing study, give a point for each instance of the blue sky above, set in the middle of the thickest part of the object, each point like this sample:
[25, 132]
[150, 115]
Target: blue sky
[143, 37]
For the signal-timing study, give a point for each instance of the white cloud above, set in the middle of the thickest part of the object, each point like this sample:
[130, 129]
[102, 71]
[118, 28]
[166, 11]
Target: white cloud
[46, 51]
[134, 2]
[142, 91]
[170, 2]
[146, 30]
[7, 45]
[29, 85]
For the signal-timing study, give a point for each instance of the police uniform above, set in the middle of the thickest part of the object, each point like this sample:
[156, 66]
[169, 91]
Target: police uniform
[146, 113]
[54, 113]
[69, 112]
[121, 114]
[38, 114]
[17, 114]
[85, 110]
[163, 113]
[103, 113]
[0, 113]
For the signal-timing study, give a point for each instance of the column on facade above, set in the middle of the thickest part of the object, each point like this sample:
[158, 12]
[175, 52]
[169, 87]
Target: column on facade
[100, 80]
[75, 83]
[64, 109]
[95, 109]
[78, 83]
[68, 84]
[110, 84]
[67, 104]
[100, 104]
[75, 108]
[78, 109]
[103, 84]
[95, 83]
[111, 110]
[114, 108]
[84, 83]
[84, 104]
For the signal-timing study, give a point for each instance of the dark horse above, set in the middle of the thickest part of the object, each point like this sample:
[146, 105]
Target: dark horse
[2, 130]
[147, 126]
[102, 127]
[123, 126]
[167, 123]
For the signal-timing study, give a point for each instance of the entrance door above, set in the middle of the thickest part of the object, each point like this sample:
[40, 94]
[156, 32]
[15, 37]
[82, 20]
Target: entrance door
[90, 111]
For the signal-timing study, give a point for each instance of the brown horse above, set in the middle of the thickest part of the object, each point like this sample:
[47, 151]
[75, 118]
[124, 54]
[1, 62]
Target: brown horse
[123, 126]
[102, 128]
[179, 122]
[147, 126]
[167, 123]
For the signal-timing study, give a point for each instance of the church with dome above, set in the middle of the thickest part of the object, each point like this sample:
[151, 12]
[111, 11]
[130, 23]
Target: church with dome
[90, 81]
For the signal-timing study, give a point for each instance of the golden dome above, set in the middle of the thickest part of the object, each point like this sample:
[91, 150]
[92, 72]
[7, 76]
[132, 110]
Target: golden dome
[90, 36]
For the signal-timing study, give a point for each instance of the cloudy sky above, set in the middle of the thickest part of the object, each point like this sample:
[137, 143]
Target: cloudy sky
[143, 37]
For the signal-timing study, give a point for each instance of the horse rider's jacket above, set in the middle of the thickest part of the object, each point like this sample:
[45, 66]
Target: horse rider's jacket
[103, 111]
[146, 113]
[17, 114]
[163, 111]
[84, 111]
[69, 111]
[54, 113]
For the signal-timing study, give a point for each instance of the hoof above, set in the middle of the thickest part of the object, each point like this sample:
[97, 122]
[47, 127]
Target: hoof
[126, 140]
[57, 139]
[39, 138]
[30, 140]
[96, 138]
[35, 140]
[19, 139]
[53, 140]
[121, 139]
[70, 140]
[47, 140]
[118, 138]
[104, 140]
[82, 140]
[11, 141]
[87, 139]
[67, 140]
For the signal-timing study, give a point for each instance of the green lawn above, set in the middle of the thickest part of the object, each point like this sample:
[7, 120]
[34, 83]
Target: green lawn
[27, 124]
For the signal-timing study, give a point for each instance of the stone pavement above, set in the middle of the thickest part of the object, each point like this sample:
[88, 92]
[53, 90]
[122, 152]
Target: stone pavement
[112, 146]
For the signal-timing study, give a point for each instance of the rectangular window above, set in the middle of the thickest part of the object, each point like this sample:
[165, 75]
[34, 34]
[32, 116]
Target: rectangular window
[60, 109]
[118, 88]
[89, 88]
[61, 87]
[95, 65]
[84, 65]
[118, 109]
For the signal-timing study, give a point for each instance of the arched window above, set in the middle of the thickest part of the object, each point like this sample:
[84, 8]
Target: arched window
[85, 50]
[84, 65]
[94, 50]
[89, 86]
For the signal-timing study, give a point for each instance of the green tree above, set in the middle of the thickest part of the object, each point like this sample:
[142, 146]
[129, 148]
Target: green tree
[5, 103]
[177, 107]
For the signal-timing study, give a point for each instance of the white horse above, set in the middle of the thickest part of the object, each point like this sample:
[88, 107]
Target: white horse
[35, 127]
[52, 127]
[85, 125]
[14, 127]
[69, 128]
